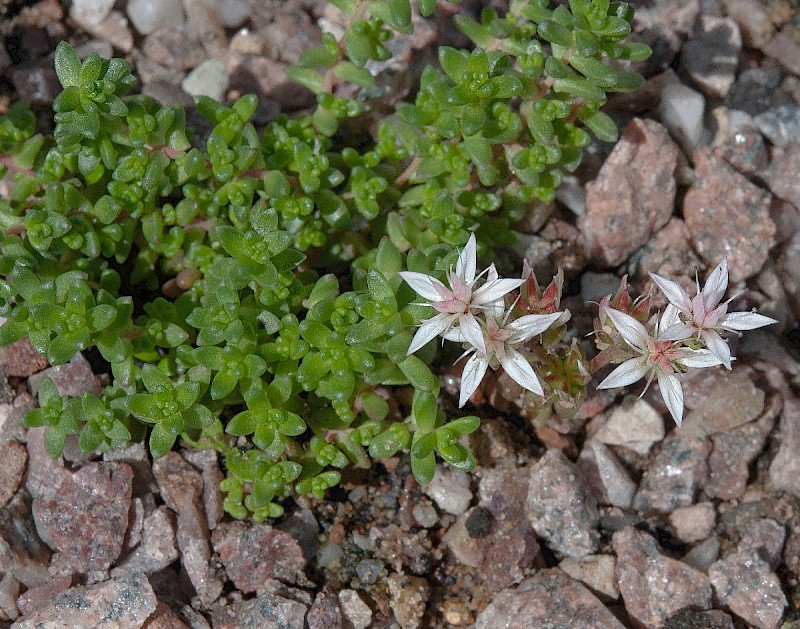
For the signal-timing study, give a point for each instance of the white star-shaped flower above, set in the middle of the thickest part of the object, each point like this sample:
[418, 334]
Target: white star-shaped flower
[500, 338]
[657, 358]
[456, 305]
[704, 317]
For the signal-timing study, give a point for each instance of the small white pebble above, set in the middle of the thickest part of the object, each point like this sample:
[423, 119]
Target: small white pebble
[450, 490]
[207, 79]
[90, 12]
[150, 15]
[425, 514]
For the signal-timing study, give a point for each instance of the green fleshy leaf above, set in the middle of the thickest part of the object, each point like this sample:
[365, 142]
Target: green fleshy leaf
[68, 66]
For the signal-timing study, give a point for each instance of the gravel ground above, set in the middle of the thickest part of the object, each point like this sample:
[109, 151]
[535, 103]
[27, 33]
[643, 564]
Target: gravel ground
[617, 520]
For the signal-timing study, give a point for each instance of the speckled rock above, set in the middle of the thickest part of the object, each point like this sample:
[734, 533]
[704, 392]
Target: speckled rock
[745, 150]
[548, 600]
[208, 463]
[21, 359]
[15, 458]
[266, 610]
[254, 553]
[693, 523]
[636, 426]
[560, 506]
[73, 378]
[782, 176]
[158, 547]
[325, 612]
[608, 480]
[633, 194]
[165, 618]
[711, 55]
[784, 47]
[124, 602]
[598, 572]
[668, 253]
[735, 400]
[745, 584]
[728, 216]
[728, 464]
[86, 519]
[355, 610]
[172, 47]
[36, 598]
[766, 537]
[652, 585]
[781, 124]
[784, 471]
[181, 488]
[791, 550]
[266, 78]
[674, 475]
[22, 554]
[36, 81]
[408, 598]
[753, 21]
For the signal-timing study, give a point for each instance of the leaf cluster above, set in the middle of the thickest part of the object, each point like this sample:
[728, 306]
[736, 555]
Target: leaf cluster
[244, 289]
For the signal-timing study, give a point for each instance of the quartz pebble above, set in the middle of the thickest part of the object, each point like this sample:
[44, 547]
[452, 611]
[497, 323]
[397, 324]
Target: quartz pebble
[693, 523]
[207, 79]
[596, 571]
[355, 609]
[149, 15]
[607, 478]
[681, 111]
[635, 426]
[449, 489]
[90, 12]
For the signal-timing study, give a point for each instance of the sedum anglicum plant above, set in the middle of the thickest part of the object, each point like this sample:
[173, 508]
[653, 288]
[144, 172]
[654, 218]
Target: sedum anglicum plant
[265, 292]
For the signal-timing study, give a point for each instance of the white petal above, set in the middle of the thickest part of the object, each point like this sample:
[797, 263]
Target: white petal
[698, 358]
[430, 329]
[520, 371]
[669, 317]
[467, 259]
[471, 377]
[424, 285]
[673, 292]
[717, 346]
[529, 326]
[716, 285]
[678, 332]
[492, 291]
[630, 329]
[739, 321]
[627, 373]
[472, 333]
[672, 393]
[455, 335]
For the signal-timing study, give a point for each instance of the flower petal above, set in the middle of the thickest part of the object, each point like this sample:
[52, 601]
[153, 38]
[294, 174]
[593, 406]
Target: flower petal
[627, 373]
[672, 393]
[471, 377]
[678, 332]
[520, 371]
[424, 285]
[529, 326]
[716, 285]
[698, 358]
[673, 292]
[494, 290]
[739, 321]
[630, 329]
[717, 346]
[467, 260]
[430, 329]
[471, 331]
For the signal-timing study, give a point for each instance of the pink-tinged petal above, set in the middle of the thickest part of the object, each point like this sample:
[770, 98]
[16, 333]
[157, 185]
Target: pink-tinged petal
[630, 329]
[740, 321]
[520, 371]
[627, 373]
[425, 286]
[673, 292]
[467, 260]
[430, 329]
[678, 332]
[492, 291]
[471, 377]
[717, 346]
[528, 326]
[698, 358]
[716, 285]
[672, 393]
[471, 331]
